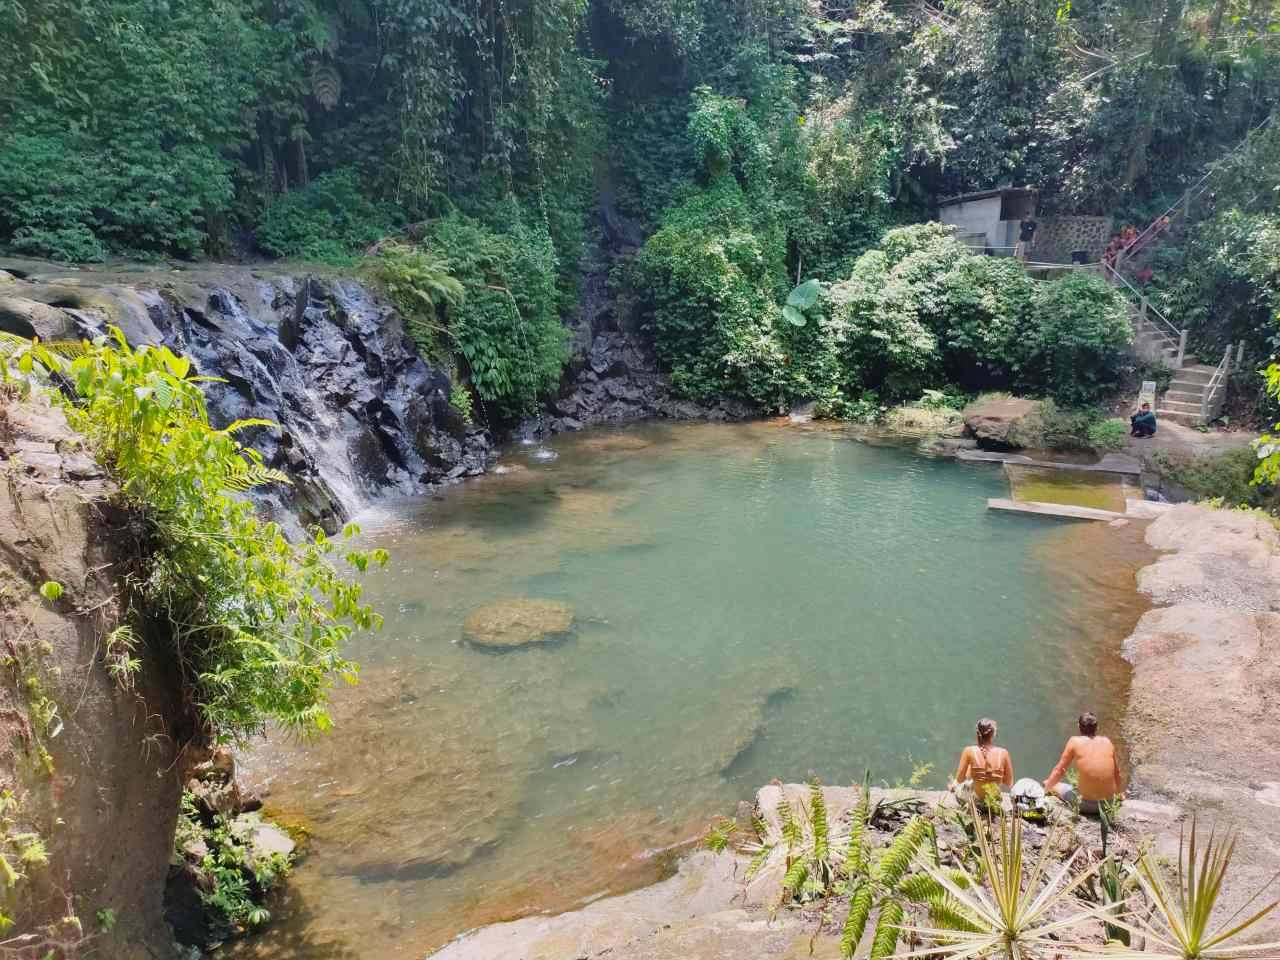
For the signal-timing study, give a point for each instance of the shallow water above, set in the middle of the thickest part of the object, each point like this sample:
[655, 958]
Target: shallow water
[752, 601]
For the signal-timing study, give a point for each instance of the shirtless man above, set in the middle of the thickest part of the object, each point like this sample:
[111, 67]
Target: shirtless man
[1097, 769]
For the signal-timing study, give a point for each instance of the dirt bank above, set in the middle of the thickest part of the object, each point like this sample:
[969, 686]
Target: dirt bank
[1203, 722]
[91, 766]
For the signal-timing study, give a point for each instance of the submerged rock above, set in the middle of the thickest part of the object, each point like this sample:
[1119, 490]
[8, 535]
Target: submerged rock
[508, 624]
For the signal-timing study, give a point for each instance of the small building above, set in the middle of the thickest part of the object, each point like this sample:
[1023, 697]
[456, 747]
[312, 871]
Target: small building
[990, 220]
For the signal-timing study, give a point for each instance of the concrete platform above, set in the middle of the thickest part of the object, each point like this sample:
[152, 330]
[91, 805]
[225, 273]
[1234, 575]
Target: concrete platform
[1112, 463]
[1054, 510]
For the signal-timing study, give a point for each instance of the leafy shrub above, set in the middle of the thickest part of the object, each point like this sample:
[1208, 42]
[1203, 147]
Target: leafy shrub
[1075, 348]
[328, 220]
[1108, 434]
[487, 296]
[711, 278]
[508, 328]
[66, 197]
[256, 624]
[1228, 476]
[239, 881]
[418, 283]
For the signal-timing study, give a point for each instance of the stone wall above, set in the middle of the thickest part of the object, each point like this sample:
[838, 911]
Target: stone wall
[1057, 237]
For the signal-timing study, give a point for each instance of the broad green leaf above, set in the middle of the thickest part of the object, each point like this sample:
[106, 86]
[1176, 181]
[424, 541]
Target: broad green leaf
[805, 295]
[793, 316]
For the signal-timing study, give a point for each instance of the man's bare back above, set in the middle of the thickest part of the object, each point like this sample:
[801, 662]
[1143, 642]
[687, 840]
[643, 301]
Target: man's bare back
[1097, 768]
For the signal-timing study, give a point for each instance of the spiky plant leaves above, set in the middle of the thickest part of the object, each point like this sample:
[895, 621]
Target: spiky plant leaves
[888, 930]
[1015, 918]
[856, 923]
[1179, 927]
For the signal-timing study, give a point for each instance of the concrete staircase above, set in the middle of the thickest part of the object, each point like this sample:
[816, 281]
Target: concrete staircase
[1184, 401]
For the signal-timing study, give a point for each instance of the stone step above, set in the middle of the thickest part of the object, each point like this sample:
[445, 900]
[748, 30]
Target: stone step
[1195, 375]
[1178, 406]
[1187, 419]
[1184, 396]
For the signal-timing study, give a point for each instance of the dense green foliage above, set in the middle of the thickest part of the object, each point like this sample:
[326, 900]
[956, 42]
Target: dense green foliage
[256, 624]
[759, 145]
[239, 882]
[918, 310]
[490, 297]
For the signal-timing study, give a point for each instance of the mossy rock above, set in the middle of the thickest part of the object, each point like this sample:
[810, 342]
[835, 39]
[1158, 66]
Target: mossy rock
[510, 624]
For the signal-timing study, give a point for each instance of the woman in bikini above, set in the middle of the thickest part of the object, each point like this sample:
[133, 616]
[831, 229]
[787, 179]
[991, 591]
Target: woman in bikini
[984, 767]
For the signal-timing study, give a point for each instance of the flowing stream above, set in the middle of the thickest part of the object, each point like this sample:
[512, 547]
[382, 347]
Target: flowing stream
[750, 601]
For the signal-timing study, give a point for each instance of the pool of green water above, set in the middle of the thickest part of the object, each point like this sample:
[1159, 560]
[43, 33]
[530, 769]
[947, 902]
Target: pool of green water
[750, 602]
[1077, 488]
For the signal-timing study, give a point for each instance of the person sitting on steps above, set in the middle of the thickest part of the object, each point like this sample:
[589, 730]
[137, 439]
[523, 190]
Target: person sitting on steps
[984, 767]
[1097, 769]
[1143, 423]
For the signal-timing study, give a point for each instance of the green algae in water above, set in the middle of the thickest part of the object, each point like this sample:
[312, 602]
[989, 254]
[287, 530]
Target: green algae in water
[1076, 488]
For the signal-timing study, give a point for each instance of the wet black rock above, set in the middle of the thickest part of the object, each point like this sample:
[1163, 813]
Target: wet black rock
[613, 376]
[360, 414]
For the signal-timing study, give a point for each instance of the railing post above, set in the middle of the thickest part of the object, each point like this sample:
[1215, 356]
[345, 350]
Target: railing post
[1240, 354]
[1142, 310]
[1182, 348]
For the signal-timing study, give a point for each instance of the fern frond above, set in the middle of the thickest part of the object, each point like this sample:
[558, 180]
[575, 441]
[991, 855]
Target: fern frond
[888, 930]
[248, 423]
[717, 838]
[794, 876]
[818, 816]
[856, 923]
[242, 476]
[856, 855]
[897, 857]
[792, 833]
[947, 913]
[758, 861]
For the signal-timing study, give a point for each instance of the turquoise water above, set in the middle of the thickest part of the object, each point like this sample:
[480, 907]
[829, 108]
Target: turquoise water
[751, 602]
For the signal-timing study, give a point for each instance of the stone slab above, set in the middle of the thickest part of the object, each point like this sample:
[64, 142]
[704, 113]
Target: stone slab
[1053, 509]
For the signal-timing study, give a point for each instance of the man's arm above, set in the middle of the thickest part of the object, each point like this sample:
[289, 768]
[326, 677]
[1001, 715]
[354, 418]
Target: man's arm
[1068, 756]
[1008, 769]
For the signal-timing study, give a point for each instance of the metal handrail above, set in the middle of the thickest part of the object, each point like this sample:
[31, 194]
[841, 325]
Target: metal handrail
[1146, 308]
[1216, 382]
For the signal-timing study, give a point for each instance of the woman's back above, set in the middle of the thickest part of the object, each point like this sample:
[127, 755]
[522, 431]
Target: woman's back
[987, 763]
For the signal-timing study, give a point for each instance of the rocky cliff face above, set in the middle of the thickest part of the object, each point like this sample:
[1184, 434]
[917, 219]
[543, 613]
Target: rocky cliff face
[613, 377]
[360, 415]
[91, 765]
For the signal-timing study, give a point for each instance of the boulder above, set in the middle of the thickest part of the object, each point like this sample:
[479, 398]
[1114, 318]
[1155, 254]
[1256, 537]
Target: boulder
[1004, 423]
[507, 624]
[30, 318]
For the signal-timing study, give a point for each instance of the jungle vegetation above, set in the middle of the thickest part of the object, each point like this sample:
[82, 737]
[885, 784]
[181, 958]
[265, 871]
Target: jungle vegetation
[756, 145]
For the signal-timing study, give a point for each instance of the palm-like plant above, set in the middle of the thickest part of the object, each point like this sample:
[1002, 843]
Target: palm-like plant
[1013, 914]
[1179, 927]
